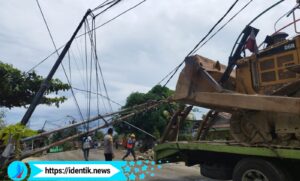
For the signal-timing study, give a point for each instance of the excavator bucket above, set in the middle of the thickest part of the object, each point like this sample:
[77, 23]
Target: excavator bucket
[197, 85]
[200, 74]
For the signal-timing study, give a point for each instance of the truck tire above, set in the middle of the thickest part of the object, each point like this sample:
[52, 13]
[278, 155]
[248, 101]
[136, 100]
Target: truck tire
[258, 169]
[219, 171]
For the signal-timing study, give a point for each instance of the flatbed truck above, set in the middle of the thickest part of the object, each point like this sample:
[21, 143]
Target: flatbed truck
[228, 160]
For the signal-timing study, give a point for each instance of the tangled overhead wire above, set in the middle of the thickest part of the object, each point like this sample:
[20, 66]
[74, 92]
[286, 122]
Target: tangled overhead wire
[199, 45]
[97, 27]
[196, 48]
[89, 30]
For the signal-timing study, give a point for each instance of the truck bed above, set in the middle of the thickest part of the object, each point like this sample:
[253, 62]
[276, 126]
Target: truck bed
[196, 152]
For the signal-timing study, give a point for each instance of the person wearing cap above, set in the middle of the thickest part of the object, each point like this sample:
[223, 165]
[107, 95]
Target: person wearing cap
[130, 147]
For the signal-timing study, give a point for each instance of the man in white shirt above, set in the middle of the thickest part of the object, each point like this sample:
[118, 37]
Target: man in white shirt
[108, 145]
[86, 145]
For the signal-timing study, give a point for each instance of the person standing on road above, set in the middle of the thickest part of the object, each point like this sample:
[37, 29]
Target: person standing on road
[86, 145]
[108, 145]
[130, 147]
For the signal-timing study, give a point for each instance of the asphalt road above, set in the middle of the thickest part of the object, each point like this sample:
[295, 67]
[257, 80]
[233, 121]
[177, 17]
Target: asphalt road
[170, 171]
[178, 172]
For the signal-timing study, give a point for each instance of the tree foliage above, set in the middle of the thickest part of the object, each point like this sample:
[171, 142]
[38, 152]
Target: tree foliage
[16, 132]
[57, 136]
[99, 135]
[153, 121]
[18, 88]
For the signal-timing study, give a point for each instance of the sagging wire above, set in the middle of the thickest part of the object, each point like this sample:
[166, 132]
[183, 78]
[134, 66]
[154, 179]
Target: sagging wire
[94, 49]
[174, 71]
[244, 7]
[103, 24]
[56, 50]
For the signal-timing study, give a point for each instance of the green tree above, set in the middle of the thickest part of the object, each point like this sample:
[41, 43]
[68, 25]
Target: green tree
[99, 135]
[57, 136]
[16, 132]
[18, 88]
[153, 121]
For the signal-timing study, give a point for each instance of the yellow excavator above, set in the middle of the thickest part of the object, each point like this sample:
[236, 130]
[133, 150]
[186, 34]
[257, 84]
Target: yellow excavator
[256, 96]
[261, 92]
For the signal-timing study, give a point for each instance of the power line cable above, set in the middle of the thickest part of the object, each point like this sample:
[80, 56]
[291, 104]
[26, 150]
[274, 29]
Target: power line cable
[96, 93]
[76, 102]
[78, 69]
[219, 21]
[98, 84]
[254, 19]
[92, 35]
[86, 73]
[97, 75]
[105, 3]
[103, 24]
[91, 67]
[224, 25]
[69, 65]
[124, 12]
[113, 4]
[285, 14]
[197, 45]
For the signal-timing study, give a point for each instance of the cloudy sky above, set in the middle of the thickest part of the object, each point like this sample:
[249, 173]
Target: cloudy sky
[136, 50]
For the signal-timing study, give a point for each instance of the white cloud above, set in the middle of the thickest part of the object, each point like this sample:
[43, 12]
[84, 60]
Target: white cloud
[136, 50]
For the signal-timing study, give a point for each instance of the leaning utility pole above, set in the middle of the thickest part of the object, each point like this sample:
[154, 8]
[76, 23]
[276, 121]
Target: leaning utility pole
[36, 100]
[44, 86]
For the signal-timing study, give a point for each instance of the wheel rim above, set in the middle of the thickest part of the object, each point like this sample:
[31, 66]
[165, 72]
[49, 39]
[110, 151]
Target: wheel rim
[254, 175]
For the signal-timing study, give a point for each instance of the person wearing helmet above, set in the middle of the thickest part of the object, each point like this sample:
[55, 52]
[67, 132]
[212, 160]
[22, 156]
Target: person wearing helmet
[130, 147]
